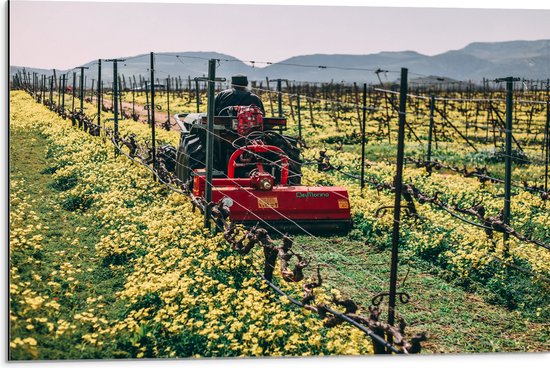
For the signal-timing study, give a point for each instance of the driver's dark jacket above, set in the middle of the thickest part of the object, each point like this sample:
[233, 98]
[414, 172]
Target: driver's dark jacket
[235, 97]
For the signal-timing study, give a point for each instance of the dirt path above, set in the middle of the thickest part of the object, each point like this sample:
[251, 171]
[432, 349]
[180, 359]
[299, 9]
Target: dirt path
[160, 116]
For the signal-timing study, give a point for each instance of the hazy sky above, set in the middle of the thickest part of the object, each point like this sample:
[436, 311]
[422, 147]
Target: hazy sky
[66, 34]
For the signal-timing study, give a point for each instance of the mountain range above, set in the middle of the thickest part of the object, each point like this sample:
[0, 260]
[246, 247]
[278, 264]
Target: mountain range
[524, 59]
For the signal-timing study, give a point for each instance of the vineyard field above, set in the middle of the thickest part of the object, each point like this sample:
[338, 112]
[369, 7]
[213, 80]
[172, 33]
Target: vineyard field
[82, 277]
[108, 263]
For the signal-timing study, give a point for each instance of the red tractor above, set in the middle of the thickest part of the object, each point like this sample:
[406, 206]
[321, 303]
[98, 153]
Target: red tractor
[257, 173]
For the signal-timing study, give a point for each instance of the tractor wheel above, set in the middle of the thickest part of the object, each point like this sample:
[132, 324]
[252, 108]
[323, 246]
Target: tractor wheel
[290, 146]
[167, 155]
[191, 155]
[295, 165]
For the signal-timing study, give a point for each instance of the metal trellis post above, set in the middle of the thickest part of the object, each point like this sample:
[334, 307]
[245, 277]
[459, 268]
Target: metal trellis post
[210, 141]
[430, 132]
[99, 93]
[120, 90]
[211, 80]
[279, 98]
[298, 112]
[147, 102]
[59, 92]
[152, 107]
[547, 135]
[114, 95]
[63, 87]
[197, 95]
[508, 159]
[114, 102]
[168, 102]
[51, 92]
[398, 190]
[547, 156]
[82, 87]
[74, 88]
[363, 128]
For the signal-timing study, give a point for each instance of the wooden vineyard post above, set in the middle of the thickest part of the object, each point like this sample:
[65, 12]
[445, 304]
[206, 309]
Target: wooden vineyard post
[397, 205]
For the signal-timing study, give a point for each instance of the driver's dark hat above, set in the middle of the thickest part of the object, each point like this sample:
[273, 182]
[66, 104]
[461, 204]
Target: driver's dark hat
[239, 80]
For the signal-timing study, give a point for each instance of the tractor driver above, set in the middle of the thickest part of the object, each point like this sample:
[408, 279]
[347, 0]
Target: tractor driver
[238, 95]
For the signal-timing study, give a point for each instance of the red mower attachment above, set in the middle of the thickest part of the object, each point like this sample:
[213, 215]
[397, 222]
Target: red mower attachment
[256, 199]
[258, 148]
[319, 209]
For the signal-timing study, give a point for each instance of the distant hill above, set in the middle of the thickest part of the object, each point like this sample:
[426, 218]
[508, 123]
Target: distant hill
[524, 59]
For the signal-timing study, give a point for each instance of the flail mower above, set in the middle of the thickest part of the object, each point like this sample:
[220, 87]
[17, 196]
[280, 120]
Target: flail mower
[257, 173]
